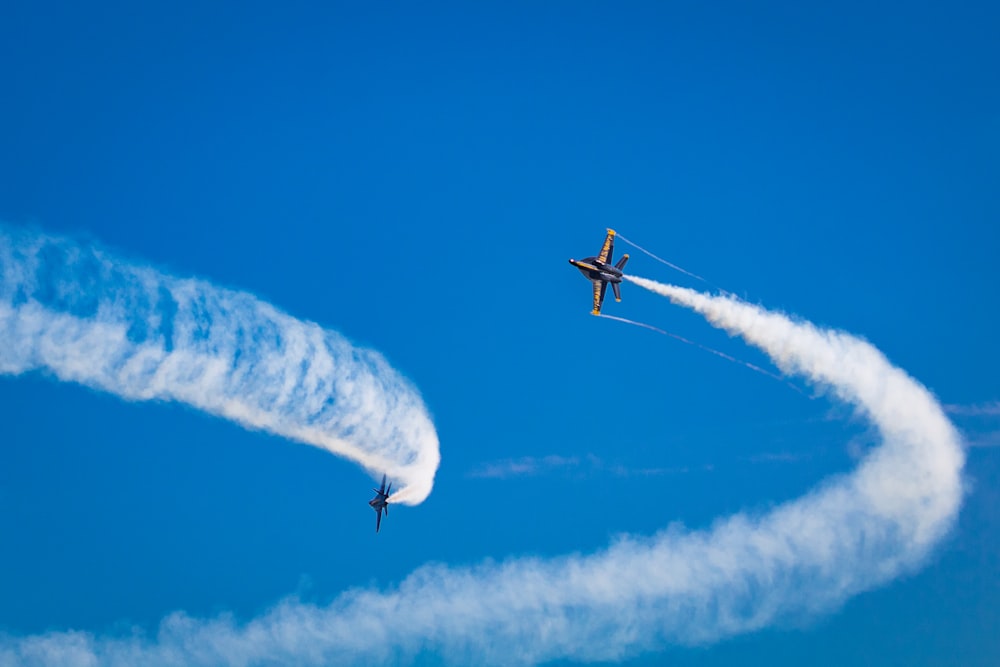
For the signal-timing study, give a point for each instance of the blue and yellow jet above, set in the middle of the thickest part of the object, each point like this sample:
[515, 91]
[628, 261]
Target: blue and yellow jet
[600, 271]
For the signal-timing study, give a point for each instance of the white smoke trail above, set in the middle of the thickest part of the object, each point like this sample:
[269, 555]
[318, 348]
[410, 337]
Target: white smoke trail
[88, 317]
[747, 571]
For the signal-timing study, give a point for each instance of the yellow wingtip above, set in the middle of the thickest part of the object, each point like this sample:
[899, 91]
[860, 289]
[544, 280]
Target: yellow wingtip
[595, 312]
[611, 232]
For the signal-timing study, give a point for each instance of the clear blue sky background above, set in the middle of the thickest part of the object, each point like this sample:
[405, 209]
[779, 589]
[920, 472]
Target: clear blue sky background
[416, 177]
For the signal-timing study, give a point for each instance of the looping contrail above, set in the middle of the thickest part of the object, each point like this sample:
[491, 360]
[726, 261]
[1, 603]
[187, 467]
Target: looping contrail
[743, 573]
[86, 316]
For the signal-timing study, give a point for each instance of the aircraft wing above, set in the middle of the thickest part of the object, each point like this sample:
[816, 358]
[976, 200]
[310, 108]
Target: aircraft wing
[600, 287]
[378, 519]
[608, 249]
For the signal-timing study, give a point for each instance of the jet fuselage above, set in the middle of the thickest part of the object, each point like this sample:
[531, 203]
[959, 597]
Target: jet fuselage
[594, 269]
[380, 502]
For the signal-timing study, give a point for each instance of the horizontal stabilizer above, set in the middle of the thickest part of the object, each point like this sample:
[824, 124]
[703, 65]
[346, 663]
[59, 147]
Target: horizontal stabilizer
[621, 262]
[617, 288]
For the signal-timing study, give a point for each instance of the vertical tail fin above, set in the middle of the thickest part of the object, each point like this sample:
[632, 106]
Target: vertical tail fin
[615, 286]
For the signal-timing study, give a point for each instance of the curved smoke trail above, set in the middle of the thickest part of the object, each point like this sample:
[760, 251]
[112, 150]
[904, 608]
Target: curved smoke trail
[852, 533]
[88, 317]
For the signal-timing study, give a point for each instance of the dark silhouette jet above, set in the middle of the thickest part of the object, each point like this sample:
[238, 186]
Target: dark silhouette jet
[600, 271]
[379, 502]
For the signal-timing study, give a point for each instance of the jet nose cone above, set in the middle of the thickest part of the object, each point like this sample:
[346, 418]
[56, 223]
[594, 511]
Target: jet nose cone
[572, 261]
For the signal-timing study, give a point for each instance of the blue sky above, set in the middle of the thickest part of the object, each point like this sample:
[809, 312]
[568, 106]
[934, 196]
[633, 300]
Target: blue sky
[416, 179]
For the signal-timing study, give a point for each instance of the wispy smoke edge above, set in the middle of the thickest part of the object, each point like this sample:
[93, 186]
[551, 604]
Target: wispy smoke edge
[975, 410]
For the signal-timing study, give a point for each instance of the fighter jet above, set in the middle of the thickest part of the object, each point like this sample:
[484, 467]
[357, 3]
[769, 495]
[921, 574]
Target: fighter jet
[600, 271]
[378, 503]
